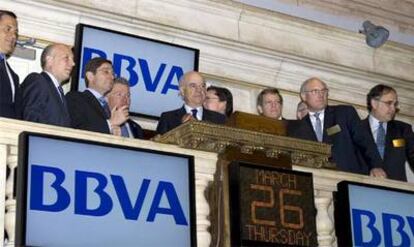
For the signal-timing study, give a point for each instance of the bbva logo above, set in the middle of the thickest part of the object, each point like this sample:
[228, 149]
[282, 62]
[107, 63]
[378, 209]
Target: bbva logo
[131, 210]
[130, 67]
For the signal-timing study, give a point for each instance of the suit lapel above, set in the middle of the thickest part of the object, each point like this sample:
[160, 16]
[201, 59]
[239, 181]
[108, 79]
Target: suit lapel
[328, 122]
[389, 136]
[95, 103]
[309, 128]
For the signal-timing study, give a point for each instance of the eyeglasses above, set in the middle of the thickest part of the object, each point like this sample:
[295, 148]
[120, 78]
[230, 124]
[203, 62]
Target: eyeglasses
[107, 71]
[213, 98]
[318, 91]
[389, 103]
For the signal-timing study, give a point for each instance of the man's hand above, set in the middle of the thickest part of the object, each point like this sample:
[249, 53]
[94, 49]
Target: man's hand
[187, 117]
[378, 172]
[119, 115]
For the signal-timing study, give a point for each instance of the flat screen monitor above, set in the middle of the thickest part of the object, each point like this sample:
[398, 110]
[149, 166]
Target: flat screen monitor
[370, 215]
[152, 67]
[72, 192]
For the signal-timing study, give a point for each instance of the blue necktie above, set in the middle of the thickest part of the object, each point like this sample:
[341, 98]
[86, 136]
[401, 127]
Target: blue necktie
[124, 131]
[2, 57]
[381, 139]
[318, 127]
[194, 112]
[105, 107]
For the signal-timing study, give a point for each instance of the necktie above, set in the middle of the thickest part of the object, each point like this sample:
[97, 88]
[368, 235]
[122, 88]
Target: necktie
[105, 107]
[62, 95]
[1, 57]
[194, 112]
[124, 131]
[318, 127]
[381, 139]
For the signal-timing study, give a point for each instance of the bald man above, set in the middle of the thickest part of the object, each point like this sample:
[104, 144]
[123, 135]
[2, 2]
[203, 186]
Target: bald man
[43, 100]
[193, 92]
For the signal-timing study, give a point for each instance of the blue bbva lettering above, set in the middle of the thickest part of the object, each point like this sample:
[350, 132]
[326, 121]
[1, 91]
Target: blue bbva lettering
[393, 229]
[126, 66]
[83, 179]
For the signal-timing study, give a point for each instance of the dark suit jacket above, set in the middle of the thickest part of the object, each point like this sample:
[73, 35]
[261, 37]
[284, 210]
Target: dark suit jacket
[396, 154]
[8, 108]
[41, 101]
[136, 129]
[86, 112]
[171, 119]
[347, 144]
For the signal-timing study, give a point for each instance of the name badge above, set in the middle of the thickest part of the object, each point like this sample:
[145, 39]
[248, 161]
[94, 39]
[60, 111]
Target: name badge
[397, 143]
[333, 130]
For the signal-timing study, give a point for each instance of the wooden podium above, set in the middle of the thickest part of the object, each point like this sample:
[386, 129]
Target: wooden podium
[240, 140]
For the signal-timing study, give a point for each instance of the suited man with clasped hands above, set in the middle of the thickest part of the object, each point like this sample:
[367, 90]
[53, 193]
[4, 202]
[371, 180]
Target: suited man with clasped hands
[394, 139]
[339, 126]
[43, 100]
[9, 81]
[193, 91]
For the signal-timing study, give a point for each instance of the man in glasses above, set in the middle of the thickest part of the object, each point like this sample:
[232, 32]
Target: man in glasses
[9, 81]
[193, 92]
[339, 126]
[89, 109]
[394, 139]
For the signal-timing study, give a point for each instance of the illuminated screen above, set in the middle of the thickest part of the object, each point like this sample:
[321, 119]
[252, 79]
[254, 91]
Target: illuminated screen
[367, 215]
[79, 193]
[152, 67]
[271, 207]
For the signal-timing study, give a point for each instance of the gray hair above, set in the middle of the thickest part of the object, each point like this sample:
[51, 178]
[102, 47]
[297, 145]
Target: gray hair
[305, 83]
[122, 81]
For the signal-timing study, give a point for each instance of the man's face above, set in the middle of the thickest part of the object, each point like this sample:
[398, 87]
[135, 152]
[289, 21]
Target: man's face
[193, 90]
[213, 102]
[119, 96]
[271, 106]
[102, 81]
[8, 34]
[385, 107]
[60, 62]
[315, 95]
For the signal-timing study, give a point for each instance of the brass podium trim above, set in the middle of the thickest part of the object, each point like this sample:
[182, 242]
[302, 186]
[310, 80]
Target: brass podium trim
[216, 138]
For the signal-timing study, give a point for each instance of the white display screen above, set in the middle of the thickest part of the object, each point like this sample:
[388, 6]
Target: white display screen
[78, 193]
[152, 67]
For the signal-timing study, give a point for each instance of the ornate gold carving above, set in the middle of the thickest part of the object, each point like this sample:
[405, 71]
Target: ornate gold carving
[215, 138]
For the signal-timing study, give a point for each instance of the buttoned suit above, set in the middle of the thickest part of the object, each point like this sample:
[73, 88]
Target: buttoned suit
[8, 107]
[86, 112]
[172, 119]
[349, 141]
[399, 147]
[42, 102]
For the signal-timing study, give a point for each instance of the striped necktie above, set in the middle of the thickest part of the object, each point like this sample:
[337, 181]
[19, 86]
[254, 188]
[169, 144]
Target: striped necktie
[318, 127]
[381, 139]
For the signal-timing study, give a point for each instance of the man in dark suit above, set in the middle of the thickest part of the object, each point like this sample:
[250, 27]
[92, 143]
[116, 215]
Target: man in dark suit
[119, 96]
[89, 109]
[394, 139]
[339, 126]
[43, 100]
[9, 81]
[193, 91]
[270, 103]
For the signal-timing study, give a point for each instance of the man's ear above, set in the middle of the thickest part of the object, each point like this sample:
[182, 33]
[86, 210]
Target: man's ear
[260, 109]
[89, 75]
[302, 96]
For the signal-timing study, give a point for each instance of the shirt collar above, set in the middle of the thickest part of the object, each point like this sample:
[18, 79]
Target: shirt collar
[55, 81]
[321, 113]
[95, 93]
[188, 108]
[375, 122]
